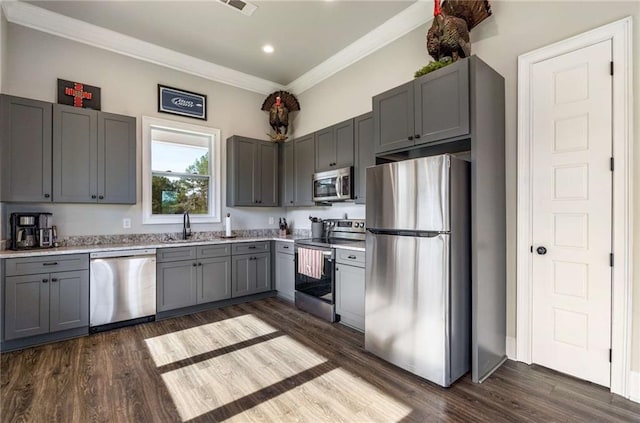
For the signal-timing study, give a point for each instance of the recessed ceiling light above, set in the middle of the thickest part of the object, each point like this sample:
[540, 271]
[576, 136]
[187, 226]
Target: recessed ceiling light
[268, 48]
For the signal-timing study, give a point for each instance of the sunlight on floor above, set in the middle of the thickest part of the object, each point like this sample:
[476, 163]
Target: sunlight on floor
[176, 346]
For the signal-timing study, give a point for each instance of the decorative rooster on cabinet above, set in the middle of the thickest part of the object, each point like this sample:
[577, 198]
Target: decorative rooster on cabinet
[279, 104]
[449, 33]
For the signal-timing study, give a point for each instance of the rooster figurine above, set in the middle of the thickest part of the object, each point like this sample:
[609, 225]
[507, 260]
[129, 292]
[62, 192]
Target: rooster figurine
[279, 104]
[449, 33]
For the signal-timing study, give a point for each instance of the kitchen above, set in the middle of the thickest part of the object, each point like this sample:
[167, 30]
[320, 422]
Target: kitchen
[236, 112]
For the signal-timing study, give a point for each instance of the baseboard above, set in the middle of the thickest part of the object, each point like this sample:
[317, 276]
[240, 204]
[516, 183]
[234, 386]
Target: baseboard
[511, 348]
[634, 386]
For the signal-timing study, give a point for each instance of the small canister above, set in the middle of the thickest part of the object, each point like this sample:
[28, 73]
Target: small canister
[317, 230]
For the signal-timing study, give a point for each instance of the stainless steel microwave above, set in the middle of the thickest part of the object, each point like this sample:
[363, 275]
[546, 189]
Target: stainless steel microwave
[333, 185]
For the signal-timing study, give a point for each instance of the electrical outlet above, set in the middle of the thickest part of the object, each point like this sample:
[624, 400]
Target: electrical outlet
[126, 223]
[272, 220]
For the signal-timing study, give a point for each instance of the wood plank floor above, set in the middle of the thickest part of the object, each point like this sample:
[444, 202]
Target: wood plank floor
[267, 361]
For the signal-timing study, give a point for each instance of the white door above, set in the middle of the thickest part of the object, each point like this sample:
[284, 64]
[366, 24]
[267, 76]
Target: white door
[572, 201]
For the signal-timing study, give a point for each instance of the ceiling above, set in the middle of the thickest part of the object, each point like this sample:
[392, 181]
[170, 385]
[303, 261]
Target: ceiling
[303, 33]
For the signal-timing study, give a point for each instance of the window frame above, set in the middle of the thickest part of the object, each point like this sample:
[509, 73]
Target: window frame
[215, 181]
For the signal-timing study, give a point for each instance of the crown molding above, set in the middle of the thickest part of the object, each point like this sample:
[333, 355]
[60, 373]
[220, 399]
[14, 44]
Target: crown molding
[40, 19]
[399, 25]
[53, 23]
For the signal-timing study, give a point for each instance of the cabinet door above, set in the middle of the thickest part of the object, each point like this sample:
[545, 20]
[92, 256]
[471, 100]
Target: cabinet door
[365, 156]
[268, 175]
[25, 149]
[285, 276]
[344, 144]
[26, 306]
[69, 300]
[116, 159]
[242, 163]
[304, 151]
[214, 279]
[75, 154]
[243, 275]
[442, 103]
[393, 126]
[262, 281]
[287, 189]
[350, 295]
[325, 144]
[176, 284]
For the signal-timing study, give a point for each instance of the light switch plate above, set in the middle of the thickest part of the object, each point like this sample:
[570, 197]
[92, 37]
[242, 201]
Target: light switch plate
[272, 220]
[126, 223]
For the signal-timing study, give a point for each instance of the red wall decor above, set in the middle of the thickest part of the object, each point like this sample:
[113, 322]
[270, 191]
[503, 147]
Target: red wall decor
[77, 94]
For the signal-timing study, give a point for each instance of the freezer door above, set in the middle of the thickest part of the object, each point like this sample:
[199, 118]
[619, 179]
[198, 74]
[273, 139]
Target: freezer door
[407, 303]
[409, 195]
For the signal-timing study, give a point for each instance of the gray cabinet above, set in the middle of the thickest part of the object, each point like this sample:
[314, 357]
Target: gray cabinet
[285, 271]
[251, 274]
[334, 146]
[287, 175]
[350, 294]
[431, 108]
[25, 149]
[364, 154]
[38, 302]
[304, 164]
[252, 172]
[187, 276]
[94, 156]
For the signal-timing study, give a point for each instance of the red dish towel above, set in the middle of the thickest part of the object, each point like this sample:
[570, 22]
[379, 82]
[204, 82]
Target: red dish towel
[310, 262]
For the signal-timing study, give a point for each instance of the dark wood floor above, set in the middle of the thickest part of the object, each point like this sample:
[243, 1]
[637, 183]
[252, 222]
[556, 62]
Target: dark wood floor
[275, 364]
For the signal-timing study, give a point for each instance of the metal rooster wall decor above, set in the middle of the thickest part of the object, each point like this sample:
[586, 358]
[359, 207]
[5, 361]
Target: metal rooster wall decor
[279, 104]
[448, 37]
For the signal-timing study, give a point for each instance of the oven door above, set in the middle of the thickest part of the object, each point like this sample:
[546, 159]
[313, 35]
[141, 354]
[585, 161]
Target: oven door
[316, 283]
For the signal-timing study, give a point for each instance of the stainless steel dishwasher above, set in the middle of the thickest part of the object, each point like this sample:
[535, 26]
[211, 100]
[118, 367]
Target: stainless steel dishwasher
[122, 288]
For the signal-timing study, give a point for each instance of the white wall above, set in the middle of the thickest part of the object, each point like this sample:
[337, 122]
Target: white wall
[128, 86]
[515, 28]
[3, 63]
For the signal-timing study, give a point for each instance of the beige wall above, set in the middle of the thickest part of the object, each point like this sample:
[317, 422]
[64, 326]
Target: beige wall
[128, 86]
[3, 49]
[514, 29]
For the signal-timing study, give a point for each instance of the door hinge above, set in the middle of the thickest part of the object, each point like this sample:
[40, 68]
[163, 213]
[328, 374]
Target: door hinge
[611, 260]
[610, 355]
[611, 164]
[611, 68]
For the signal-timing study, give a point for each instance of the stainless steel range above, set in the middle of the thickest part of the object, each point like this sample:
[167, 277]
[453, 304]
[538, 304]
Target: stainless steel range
[315, 266]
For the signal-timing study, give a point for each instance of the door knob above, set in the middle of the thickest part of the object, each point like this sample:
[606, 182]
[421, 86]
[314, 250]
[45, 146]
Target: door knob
[541, 250]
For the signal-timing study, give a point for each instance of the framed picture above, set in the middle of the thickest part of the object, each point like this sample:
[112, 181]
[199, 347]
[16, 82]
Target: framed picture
[183, 103]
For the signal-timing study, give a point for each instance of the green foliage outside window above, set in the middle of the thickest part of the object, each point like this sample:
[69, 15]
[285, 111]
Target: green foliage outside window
[177, 194]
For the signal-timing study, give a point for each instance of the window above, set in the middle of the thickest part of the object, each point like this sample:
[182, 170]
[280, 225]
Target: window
[181, 172]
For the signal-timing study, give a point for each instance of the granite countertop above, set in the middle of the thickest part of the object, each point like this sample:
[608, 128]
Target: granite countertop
[355, 246]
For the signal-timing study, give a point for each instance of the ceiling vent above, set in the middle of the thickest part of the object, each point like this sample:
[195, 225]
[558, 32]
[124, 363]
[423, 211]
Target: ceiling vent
[241, 6]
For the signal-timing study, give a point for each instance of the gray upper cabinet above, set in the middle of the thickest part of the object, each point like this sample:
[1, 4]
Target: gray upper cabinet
[431, 108]
[252, 172]
[25, 149]
[116, 159]
[287, 175]
[304, 163]
[365, 154]
[94, 156]
[68, 300]
[334, 146]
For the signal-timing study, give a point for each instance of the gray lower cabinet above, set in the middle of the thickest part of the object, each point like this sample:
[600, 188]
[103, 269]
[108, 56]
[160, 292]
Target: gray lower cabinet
[176, 284]
[334, 146]
[285, 275]
[304, 165]
[42, 303]
[350, 289]
[431, 108]
[287, 175]
[251, 274]
[25, 149]
[365, 154]
[214, 279]
[252, 172]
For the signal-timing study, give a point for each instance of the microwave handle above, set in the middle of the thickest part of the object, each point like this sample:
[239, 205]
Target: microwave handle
[338, 186]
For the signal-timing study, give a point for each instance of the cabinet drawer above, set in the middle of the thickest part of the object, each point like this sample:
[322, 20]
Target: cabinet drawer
[211, 251]
[46, 264]
[175, 254]
[352, 258]
[284, 247]
[250, 247]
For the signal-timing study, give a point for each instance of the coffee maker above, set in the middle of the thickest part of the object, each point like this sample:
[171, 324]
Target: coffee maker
[31, 230]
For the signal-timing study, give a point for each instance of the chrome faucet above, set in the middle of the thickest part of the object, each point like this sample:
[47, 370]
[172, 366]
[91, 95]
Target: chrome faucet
[186, 225]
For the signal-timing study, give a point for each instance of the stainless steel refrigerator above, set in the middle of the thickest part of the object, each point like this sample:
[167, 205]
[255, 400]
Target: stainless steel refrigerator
[418, 278]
